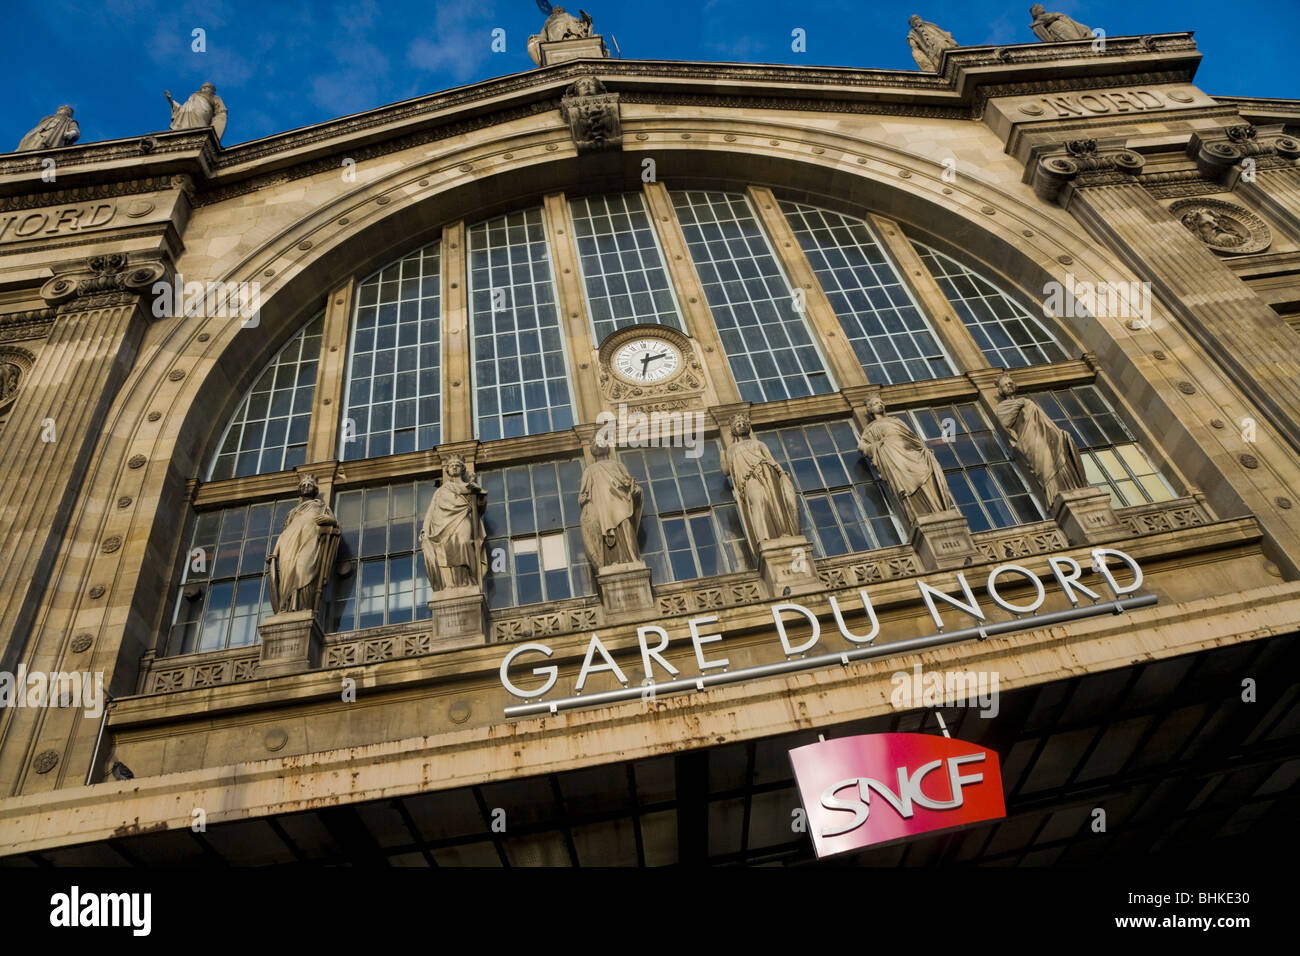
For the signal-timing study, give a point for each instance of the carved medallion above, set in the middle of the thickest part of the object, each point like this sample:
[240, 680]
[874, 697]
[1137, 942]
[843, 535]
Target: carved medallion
[81, 643]
[14, 365]
[1223, 226]
[45, 761]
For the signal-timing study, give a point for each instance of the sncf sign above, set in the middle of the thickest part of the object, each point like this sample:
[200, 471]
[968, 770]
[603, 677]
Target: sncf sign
[859, 791]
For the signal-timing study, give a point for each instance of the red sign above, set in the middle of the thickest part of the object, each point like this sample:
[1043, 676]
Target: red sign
[860, 791]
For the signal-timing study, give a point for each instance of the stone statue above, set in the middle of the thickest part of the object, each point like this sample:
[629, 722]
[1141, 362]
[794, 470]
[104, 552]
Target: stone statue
[610, 500]
[52, 132]
[299, 567]
[905, 462]
[559, 25]
[1050, 27]
[928, 41]
[592, 113]
[452, 536]
[768, 506]
[203, 108]
[1049, 451]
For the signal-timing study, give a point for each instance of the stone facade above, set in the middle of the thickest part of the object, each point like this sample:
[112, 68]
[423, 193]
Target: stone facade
[1043, 163]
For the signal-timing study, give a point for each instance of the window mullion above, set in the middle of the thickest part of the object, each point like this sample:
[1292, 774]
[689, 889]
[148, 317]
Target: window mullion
[457, 344]
[331, 375]
[690, 295]
[571, 300]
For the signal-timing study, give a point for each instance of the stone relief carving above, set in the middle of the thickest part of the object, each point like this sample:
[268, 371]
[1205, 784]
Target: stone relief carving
[51, 132]
[610, 499]
[559, 25]
[1220, 151]
[1049, 451]
[1053, 27]
[768, 507]
[592, 114]
[203, 108]
[928, 41]
[1222, 226]
[452, 538]
[905, 462]
[304, 554]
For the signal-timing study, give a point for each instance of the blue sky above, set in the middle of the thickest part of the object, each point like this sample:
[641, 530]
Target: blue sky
[281, 64]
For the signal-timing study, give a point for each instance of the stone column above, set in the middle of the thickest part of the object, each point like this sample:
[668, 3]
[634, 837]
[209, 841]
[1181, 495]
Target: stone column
[1250, 341]
[1276, 193]
[48, 443]
[823, 324]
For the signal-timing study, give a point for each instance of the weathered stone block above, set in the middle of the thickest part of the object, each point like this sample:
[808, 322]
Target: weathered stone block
[943, 540]
[787, 563]
[290, 643]
[625, 589]
[1086, 516]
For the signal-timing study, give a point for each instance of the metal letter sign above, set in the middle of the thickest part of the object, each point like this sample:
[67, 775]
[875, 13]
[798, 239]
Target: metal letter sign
[875, 788]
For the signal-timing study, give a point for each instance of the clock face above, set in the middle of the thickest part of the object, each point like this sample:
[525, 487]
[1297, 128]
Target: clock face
[647, 360]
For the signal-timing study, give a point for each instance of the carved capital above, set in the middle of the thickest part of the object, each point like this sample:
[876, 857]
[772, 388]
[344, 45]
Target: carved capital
[1081, 162]
[110, 279]
[593, 115]
[1219, 153]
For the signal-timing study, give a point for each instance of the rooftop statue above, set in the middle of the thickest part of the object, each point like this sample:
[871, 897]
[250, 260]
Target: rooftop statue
[304, 553]
[1049, 450]
[52, 132]
[1050, 27]
[559, 25]
[203, 108]
[905, 462]
[928, 41]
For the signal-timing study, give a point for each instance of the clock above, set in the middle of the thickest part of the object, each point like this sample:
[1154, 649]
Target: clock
[646, 360]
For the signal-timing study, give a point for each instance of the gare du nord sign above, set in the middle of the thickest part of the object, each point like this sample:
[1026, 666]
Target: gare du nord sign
[661, 677]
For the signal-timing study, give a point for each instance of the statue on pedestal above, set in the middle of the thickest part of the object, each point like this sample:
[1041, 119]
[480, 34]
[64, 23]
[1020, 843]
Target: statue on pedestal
[299, 567]
[559, 25]
[905, 462]
[610, 499]
[52, 132]
[1051, 27]
[452, 538]
[928, 41]
[768, 506]
[203, 108]
[1049, 451]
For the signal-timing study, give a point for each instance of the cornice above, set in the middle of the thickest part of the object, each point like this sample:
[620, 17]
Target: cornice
[970, 76]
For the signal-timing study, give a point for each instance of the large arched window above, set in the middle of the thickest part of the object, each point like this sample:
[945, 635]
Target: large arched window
[269, 429]
[382, 401]
[521, 382]
[394, 386]
[886, 329]
[769, 347]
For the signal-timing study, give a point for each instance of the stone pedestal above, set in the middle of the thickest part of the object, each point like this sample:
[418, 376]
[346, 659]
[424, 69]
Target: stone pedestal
[460, 617]
[561, 51]
[290, 643]
[1086, 516]
[787, 563]
[625, 590]
[942, 540]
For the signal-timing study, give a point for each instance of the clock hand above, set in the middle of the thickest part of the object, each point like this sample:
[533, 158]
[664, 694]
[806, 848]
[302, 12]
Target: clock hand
[645, 362]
